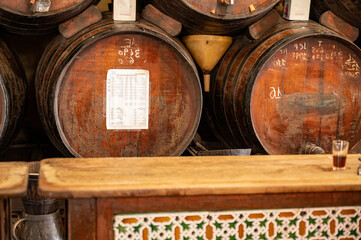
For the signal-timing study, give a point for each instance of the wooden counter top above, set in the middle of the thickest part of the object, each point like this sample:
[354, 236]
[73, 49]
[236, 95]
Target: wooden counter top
[13, 179]
[187, 176]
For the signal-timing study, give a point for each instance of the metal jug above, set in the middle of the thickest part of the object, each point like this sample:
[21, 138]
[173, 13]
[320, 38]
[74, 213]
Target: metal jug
[39, 227]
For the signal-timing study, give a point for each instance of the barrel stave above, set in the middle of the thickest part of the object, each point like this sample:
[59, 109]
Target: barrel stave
[12, 95]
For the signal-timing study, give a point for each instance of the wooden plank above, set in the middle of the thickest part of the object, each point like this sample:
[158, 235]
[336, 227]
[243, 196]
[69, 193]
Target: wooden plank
[71, 27]
[257, 29]
[105, 214]
[5, 216]
[107, 207]
[180, 176]
[81, 216]
[168, 24]
[330, 20]
[13, 178]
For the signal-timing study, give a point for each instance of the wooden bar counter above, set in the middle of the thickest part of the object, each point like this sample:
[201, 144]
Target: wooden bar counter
[13, 183]
[206, 197]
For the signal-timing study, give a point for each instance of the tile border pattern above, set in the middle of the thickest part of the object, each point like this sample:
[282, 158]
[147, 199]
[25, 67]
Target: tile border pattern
[308, 223]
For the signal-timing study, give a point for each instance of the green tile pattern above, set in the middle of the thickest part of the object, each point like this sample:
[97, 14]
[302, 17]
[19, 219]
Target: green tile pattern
[309, 223]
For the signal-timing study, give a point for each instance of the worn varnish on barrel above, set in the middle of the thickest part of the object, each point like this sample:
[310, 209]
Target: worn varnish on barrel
[12, 95]
[214, 16]
[299, 83]
[38, 16]
[88, 86]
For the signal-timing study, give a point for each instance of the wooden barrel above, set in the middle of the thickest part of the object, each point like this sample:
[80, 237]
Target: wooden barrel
[12, 95]
[118, 90]
[22, 17]
[220, 17]
[348, 10]
[299, 83]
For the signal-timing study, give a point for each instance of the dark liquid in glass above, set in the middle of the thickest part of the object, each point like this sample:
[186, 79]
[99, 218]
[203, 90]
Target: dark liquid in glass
[339, 161]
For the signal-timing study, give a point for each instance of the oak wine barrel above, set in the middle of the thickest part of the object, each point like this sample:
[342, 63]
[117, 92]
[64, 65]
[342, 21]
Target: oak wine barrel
[12, 95]
[219, 17]
[119, 90]
[40, 17]
[299, 83]
[347, 10]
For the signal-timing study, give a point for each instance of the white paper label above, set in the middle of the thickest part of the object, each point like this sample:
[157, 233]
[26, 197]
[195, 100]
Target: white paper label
[124, 10]
[127, 99]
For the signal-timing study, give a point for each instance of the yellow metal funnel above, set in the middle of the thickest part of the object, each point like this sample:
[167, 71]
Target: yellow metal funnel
[206, 51]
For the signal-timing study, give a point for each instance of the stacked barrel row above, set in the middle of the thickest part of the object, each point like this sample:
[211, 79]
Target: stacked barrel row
[297, 84]
[75, 73]
[113, 89]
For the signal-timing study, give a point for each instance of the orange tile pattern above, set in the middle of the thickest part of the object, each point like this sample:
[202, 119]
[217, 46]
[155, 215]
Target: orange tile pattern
[310, 223]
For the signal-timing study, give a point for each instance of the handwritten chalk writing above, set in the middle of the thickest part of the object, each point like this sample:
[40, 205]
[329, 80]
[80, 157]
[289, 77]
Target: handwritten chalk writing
[330, 55]
[275, 94]
[350, 74]
[128, 43]
[351, 64]
[279, 63]
[300, 46]
[351, 68]
[302, 56]
[284, 51]
[317, 57]
[317, 53]
[317, 50]
[129, 52]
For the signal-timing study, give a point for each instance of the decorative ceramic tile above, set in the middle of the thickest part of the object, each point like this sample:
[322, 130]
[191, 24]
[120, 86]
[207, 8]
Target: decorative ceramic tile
[310, 223]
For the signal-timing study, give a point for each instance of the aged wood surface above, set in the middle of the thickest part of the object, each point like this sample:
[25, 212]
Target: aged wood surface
[12, 95]
[13, 178]
[213, 17]
[168, 24]
[5, 217]
[297, 84]
[23, 6]
[164, 176]
[72, 92]
[257, 29]
[18, 17]
[330, 20]
[348, 10]
[82, 219]
[71, 27]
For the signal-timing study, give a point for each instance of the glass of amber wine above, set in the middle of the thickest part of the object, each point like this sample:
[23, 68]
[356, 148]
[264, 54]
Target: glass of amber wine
[339, 152]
